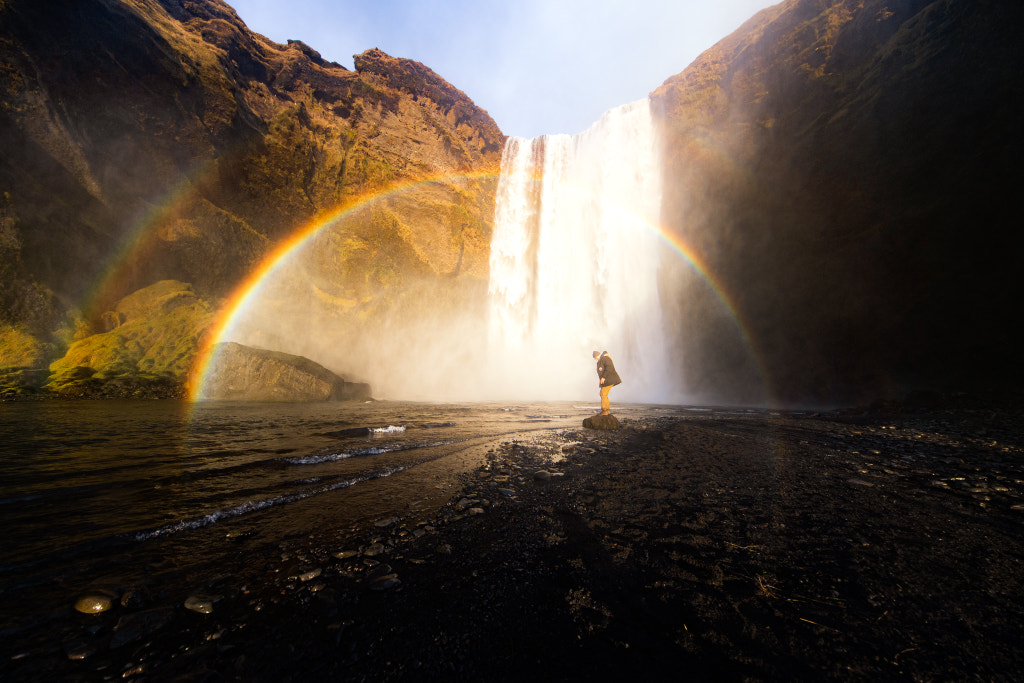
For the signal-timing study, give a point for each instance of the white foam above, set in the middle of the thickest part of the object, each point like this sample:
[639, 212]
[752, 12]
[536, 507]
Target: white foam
[391, 429]
[319, 458]
[257, 505]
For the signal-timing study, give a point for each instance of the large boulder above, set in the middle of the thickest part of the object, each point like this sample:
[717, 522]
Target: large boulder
[244, 373]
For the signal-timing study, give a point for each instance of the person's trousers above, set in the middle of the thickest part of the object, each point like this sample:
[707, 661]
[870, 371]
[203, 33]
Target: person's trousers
[606, 406]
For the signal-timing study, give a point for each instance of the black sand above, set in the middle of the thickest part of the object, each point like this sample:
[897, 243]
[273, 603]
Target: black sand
[699, 546]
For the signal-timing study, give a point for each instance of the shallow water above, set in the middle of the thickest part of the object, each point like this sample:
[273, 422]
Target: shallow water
[101, 492]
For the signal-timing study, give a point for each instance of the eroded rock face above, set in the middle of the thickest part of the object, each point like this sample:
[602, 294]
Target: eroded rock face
[848, 178]
[243, 373]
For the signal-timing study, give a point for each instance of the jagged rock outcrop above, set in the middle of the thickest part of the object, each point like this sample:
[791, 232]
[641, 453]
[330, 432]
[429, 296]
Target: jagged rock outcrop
[848, 171]
[243, 373]
[151, 140]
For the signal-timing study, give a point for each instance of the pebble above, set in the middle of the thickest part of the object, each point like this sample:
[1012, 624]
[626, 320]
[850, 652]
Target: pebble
[78, 649]
[476, 511]
[95, 602]
[385, 582]
[136, 598]
[203, 604]
[541, 475]
[378, 571]
[345, 554]
[386, 522]
[135, 626]
[374, 550]
[859, 482]
[310, 575]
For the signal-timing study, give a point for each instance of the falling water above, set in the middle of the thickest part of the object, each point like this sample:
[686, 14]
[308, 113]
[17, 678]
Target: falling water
[574, 261]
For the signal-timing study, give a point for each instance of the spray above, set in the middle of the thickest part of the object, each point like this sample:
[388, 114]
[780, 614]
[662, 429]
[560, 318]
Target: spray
[574, 263]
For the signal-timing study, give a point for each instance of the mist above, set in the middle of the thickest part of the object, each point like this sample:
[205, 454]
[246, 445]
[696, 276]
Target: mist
[575, 260]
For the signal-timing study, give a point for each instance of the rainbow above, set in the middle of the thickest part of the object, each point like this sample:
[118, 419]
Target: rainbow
[695, 262]
[248, 292]
[244, 296]
[693, 259]
[107, 283]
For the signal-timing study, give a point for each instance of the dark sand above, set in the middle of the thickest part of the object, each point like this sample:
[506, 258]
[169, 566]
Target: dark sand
[695, 546]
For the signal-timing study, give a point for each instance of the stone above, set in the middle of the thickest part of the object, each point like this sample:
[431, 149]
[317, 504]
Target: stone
[78, 649]
[135, 626]
[385, 582]
[250, 374]
[378, 571]
[203, 604]
[95, 601]
[541, 475]
[136, 598]
[602, 422]
[310, 575]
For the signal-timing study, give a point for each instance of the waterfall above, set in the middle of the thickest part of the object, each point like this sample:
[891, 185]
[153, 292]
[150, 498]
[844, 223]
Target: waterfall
[574, 262]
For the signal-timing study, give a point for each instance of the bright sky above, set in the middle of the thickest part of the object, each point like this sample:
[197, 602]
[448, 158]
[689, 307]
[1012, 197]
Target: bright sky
[536, 66]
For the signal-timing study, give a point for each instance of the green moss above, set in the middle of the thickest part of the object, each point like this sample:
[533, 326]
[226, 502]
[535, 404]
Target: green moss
[20, 349]
[153, 349]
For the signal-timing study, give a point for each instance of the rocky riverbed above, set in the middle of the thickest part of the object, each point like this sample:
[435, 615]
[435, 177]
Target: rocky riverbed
[715, 544]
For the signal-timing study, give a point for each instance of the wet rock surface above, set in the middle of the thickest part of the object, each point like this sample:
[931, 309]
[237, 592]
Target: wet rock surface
[724, 545]
[602, 422]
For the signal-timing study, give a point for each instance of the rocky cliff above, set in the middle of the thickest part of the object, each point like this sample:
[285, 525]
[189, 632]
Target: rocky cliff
[844, 171]
[848, 170]
[151, 140]
[242, 373]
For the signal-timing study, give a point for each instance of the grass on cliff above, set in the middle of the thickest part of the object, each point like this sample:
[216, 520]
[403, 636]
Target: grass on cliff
[160, 331]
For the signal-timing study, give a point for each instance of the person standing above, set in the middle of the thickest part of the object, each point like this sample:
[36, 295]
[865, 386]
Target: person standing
[607, 377]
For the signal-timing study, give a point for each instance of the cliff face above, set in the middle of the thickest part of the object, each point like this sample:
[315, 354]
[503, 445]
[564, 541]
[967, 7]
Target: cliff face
[848, 171]
[150, 140]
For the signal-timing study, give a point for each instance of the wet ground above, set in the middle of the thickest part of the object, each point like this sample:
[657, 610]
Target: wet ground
[714, 545]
